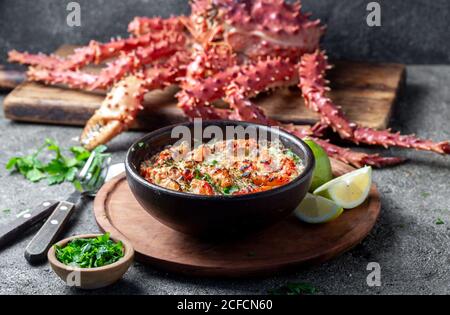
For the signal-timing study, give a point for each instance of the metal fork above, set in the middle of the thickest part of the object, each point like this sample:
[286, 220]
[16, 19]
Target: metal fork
[91, 178]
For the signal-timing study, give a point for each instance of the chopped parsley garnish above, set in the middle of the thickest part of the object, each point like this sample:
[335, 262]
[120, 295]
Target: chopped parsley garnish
[230, 190]
[59, 169]
[207, 178]
[425, 194]
[197, 174]
[439, 221]
[6, 210]
[90, 252]
[214, 162]
[294, 288]
[292, 155]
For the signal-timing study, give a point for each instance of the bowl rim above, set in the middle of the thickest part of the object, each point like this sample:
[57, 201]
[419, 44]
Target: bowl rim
[128, 254]
[309, 164]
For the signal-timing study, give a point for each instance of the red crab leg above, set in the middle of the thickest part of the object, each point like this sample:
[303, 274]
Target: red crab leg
[144, 25]
[40, 59]
[127, 63]
[124, 101]
[95, 52]
[357, 159]
[386, 138]
[303, 131]
[262, 75]
[314, 86]
[136, 59]
[73, 79]
[208, 60]
[245, 109]
[252, 79]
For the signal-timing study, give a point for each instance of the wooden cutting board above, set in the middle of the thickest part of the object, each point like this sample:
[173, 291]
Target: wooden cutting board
[366, 92]
[286, 245]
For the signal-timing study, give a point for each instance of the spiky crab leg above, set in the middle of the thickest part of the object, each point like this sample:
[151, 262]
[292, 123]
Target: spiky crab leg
[39, 59]
[122, 104]
[236, 85]
[357, 159]
[114, 71]
[314, 86]
[197, 94]
[95, 52]
[136, 59]
[144, 25]
[245, 109]
[115, 113]
[208, 60]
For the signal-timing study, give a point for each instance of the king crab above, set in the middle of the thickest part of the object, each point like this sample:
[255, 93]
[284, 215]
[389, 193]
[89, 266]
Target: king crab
[228, 50]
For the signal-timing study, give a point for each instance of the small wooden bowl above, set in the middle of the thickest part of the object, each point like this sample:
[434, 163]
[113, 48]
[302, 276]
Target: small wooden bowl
[91, 278]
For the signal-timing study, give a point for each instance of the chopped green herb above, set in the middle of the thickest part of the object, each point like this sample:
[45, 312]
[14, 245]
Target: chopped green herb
[207, 178]
[294, 288]
[439, 221]
[59, 169]
[6, 210]
[140, 144]
[425, 194]
[214, 162]
[90, 252]
[230, 190]
[197, 174]
[292, 155]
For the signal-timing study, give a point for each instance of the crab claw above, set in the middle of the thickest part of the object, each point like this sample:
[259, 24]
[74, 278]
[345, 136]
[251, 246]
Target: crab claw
[116, 113]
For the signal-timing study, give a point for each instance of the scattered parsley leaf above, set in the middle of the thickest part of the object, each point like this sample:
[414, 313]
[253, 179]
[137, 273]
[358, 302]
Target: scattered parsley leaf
[35, 175]
[80, 153]
[6, 210]
[439, 221]
[425, 194]
[60, 168]
[140, 144]
[11, 163]
[90, 252]
[27, 164]
[294, 288]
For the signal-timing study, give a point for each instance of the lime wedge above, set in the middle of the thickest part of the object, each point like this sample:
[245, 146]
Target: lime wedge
[317, 209]
[349, 190]
[322, 171]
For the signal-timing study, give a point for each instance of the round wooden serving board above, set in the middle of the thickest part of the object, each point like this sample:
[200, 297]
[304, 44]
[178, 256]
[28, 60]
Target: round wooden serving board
[282, 246]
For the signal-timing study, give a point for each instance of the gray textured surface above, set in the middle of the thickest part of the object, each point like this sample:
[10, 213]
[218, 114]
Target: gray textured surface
[412, 250]
[413, 31]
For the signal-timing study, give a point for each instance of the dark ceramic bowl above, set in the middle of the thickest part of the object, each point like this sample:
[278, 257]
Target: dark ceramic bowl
[216, 215]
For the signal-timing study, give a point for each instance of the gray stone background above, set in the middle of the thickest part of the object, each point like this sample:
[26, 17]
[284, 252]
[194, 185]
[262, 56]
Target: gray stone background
[412, 249]
[412, 31]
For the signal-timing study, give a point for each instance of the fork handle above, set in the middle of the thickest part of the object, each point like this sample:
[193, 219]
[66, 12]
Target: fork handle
[36, 251]
[11, 231]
